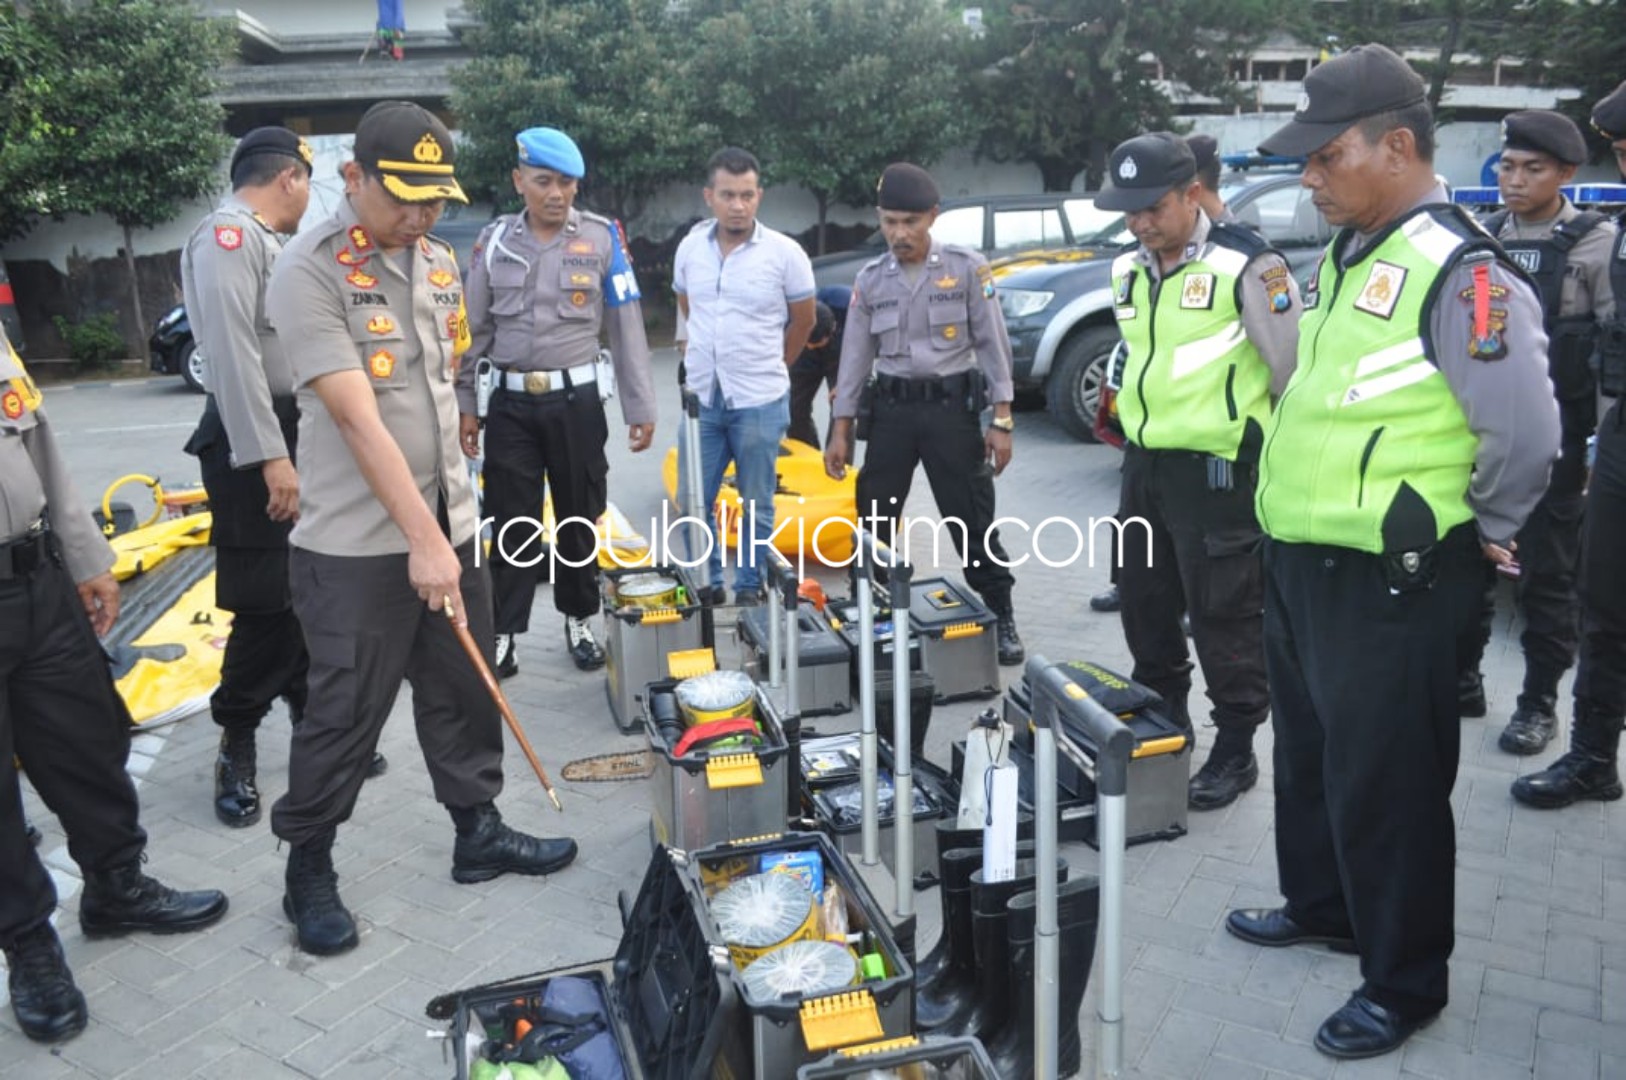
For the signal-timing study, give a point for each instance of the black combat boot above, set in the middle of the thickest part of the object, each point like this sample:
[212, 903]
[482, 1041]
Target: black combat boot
[486, 847]
[1529, 730]
[1471, 694]
[237, 799]
[122, 899]
[48, 1006]
[1586, 772]
[1230, 770]
[1009, 641]
[1078, 905]
[312, 902]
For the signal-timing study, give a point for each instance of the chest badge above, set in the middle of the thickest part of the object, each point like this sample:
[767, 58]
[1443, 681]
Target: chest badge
[578, 298]
[1382, 291]
[229, 237]
[947, 281]
[11, 404]
[581, 279]
[950, 333]
[381, 364]
[346, 257]
[1197, 292]
[359, 238]
[1120, 293]
[580, 247]
[361, 279]
[441, 278]
[381, 325]
[1525, 259]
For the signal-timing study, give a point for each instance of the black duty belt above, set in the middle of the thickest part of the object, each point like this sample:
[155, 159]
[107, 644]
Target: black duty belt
[24, 555]
[944, 388]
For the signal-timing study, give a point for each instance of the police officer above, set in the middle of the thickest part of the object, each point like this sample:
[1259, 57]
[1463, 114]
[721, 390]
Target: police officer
[924, 321]
[245, 446]
[542, 283]
[1567, 253]
[1588, 770]
[1209, 314]
[1412, 441]
[1205, 152]
[61, 715]
[818, 364]
[386, 532]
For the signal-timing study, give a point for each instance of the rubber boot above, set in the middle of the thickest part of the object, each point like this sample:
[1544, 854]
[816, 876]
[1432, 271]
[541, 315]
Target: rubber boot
[1078, 907]
[1587, 771]
[949, 839]
[237, 799]
[988, 1008]
[312, 901]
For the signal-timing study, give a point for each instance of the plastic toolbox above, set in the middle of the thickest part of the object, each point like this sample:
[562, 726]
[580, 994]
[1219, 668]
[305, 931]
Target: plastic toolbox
[775, 1037]
[843, 615]
[637, 640]
[824, 677]
[958, 1058]
[957, 640]
[834, 810]
[669, 996]
[707, 796]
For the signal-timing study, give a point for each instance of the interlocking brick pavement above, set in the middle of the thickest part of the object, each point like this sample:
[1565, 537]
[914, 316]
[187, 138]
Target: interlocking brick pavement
[1538, 979]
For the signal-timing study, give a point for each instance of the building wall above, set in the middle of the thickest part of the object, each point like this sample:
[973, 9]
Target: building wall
[300, 18]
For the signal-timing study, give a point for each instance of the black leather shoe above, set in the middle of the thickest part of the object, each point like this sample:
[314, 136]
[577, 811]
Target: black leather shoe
[1528, 732]
[378, 766]
[1221, 781]
[584, 649]
[122, 899]
[1471, 694]
[1579, 774]
[490, 848]
[1011, 651]
[507, 665]
[1274, 928]
[1363, 1029]
[48, 1006]
[1107, 601]
[311, 902]
[237, 799]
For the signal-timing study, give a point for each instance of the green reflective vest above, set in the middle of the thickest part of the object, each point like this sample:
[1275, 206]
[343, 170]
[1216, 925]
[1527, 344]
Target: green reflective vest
[1192, 379]
[1369, 448]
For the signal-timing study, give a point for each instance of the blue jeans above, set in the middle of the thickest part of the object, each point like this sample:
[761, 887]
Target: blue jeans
[750, 439]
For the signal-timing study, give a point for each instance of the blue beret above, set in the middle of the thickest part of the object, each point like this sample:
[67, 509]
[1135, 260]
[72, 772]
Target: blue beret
[550, 148]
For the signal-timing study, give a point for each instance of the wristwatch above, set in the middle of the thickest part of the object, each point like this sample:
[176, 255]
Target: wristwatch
[1004, 423]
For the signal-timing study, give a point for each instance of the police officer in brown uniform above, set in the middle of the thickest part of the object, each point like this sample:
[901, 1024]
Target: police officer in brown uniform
[245, 446]
[1567, 252]
[386, 532]
[923, 320]
[61, 715]
[542, 285]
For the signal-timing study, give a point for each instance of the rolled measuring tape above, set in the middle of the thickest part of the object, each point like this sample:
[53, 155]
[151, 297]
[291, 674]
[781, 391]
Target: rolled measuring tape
[800, 969]
[762, 913]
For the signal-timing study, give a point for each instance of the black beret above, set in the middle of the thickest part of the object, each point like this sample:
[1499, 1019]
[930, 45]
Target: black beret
[1144, 169]
[906, 187]
[1609, 115]
[1204, 148]
[1544, 132]
[273, 140]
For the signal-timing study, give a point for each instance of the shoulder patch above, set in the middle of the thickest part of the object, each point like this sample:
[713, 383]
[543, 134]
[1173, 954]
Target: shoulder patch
[229, 237]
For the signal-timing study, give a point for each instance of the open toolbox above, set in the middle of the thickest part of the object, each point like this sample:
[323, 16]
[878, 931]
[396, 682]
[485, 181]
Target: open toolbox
[824, 676]
[831, 794]
[724, 791]
[843, 616]
[957, 639]
[934, 1057]
[649, 613]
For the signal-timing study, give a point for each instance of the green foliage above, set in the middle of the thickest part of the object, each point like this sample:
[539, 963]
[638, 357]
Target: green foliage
[1580, 45]
[95, 342]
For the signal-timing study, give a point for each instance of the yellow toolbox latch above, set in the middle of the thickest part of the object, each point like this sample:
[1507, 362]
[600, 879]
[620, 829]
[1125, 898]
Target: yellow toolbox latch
[733, 770]
[1168, 744]
[840, 1020]
[660, 615]
[885, 1046]
[687, 663]
[960, 630]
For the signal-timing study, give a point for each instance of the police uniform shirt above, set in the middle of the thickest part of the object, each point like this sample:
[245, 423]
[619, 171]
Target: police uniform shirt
[1585, 289]
[1508, 399]
[537, 306]
[946, 321]
[396, 320]
[34, 478]
[1270, 323]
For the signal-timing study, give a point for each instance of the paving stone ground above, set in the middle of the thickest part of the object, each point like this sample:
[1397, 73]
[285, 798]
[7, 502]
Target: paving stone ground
[1538, 977]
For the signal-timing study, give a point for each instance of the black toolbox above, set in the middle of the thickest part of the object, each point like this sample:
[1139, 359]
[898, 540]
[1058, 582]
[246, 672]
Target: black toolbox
[831, 802]
[637, 640]
[824, 678]
[843, 615]
[1075, 811]
[957, 1058]
[957, 641]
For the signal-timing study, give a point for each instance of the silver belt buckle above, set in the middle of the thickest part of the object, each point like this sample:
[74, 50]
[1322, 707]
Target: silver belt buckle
[538, 382]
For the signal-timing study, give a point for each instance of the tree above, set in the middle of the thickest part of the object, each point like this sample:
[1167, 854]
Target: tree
[125, 123]
[29, 62]
[828, 92]
[1066, 80]
[603, 71]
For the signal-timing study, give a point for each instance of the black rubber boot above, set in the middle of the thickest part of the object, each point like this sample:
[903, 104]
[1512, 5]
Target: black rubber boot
[949, 838]
[237, 798]
[47, 1004]
[951, 988]
[486, 848]
[122, 899]
[1078, 907]
[1587, 771]
[991, 1005]
[312, 902]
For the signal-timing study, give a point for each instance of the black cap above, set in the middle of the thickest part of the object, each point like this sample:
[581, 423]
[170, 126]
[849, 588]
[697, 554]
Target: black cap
[1144, 169]
[1204, 148]
[411, 149]
[906, 187]
[1545, 132]
[1609, 115]
[1365, 81]
[273, 140]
